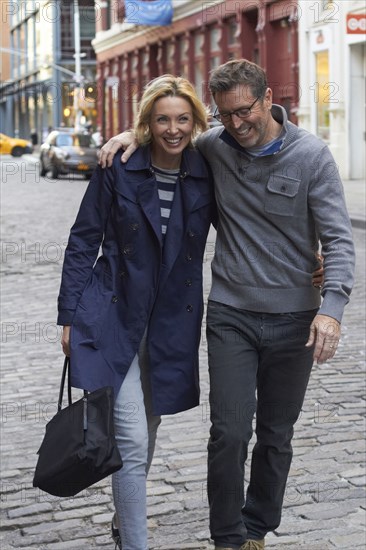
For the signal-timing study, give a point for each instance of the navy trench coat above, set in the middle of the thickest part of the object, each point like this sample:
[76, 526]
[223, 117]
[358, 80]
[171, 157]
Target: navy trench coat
[136, 283]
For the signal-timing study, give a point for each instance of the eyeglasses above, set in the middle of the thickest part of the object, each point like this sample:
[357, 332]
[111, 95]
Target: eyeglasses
[244, 112]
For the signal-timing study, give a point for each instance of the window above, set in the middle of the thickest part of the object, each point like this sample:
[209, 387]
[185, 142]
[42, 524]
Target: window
[215, 50]
[183, 55]
[87, 22]
[214, 39]
[321, 91]
[199, 64]
[232, 29]
[170, 57]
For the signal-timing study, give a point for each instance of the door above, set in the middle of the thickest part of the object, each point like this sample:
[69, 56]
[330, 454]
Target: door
[357, 129]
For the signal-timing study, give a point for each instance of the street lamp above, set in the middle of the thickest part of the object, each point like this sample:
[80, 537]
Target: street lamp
[78, 75]
[48, 65]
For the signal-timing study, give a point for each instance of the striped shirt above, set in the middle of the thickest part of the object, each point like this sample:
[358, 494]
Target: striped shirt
[167, 181]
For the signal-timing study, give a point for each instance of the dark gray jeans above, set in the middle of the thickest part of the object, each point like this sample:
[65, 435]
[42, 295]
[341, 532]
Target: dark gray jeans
[258, 364]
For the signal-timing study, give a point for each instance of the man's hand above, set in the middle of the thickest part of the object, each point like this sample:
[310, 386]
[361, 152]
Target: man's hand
[324, 335]
[65, 340]
[125, 141]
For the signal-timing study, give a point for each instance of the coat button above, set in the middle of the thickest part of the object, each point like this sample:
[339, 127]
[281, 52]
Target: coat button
[114, 299]
[127, 250]
[188, 257]
[134, 226]
[189, 308]
[191, 234]
[188, 282]
[283, 188]
[122, 273]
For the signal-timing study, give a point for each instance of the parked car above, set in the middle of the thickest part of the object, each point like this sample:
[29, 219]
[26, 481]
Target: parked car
[14, 146]
[65, 152]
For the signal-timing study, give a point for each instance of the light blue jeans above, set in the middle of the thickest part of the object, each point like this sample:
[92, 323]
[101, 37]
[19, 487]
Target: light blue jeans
[136, 429]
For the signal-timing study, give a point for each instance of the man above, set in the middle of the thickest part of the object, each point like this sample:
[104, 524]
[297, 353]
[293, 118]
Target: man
[278, 194]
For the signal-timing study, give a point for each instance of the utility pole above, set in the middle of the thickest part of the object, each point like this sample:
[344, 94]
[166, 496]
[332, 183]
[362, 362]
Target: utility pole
[78, 76]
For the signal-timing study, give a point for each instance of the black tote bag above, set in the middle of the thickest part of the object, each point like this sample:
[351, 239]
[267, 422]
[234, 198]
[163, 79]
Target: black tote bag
[79, 446]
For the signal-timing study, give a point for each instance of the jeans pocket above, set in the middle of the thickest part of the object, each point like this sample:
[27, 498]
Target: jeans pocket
[302, 317]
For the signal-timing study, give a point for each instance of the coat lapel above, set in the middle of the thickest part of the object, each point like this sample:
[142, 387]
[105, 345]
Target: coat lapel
[148, 198]
[176, 227]
[187, 193]
[147, 192]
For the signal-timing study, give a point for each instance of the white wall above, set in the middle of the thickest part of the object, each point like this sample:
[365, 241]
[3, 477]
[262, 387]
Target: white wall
[326, 29]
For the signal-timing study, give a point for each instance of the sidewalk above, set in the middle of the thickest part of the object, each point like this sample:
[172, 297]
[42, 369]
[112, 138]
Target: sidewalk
[356, 202]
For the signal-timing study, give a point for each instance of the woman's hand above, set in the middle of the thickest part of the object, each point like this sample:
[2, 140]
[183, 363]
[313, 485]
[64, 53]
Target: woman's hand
[65, 340]
[318, 274]
[125, 141]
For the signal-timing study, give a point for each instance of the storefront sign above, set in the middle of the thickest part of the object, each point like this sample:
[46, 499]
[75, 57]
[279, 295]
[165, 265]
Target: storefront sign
[356, 23]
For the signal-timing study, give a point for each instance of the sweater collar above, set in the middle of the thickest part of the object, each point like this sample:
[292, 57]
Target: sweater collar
[280, 116]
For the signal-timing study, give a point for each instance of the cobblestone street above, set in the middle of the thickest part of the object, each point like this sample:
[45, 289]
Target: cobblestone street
[325, 498]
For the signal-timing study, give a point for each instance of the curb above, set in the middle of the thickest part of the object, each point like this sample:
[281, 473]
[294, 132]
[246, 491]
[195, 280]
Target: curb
[357, 223]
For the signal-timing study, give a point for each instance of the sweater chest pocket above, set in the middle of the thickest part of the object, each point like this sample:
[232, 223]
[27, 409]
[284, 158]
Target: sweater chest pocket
[281, 194]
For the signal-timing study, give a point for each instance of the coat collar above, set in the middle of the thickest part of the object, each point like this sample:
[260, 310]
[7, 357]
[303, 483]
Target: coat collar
[187, 194]
[192, 162]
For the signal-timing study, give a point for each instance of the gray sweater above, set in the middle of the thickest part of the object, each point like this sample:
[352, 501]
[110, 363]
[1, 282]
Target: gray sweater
[273, 211]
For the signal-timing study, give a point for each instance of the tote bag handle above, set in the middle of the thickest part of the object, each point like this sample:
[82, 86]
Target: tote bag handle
[66, 372]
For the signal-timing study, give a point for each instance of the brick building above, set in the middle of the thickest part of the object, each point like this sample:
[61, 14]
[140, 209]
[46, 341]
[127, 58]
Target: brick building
[38, 91]
[202, 35]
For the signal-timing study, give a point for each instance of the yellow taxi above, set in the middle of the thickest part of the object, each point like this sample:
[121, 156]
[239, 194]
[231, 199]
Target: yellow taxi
[14, 146]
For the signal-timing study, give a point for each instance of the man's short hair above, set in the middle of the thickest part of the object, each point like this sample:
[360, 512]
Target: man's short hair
[236, 72]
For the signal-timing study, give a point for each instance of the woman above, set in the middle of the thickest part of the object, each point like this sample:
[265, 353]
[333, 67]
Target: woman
[132, 320]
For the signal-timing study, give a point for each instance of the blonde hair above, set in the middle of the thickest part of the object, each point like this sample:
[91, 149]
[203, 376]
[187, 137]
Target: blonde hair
[165, 86]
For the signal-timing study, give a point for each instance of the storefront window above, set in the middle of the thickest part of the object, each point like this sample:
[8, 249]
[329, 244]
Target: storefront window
[145, 64]
[232, 28]
[321, 94]
[115, 108]
[31, 45]
[170, 58]
[198, 44]
[215, 50]
[199, 64]
[198, 78]
[22, 49]
[123, 93]
[214, 39]
[214, 62]
[106, 109]
[183, 56]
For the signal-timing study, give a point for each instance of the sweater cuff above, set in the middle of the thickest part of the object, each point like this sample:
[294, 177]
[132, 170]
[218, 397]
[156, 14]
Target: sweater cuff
[333, 305]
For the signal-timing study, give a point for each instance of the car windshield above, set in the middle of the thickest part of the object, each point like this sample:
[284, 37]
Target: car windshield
[76, 140]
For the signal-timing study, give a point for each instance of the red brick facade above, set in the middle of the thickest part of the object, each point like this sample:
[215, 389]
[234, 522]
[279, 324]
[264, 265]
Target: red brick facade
[264, 31]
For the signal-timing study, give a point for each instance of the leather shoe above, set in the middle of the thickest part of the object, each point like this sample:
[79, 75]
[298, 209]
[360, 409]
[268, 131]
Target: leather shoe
[252, 544]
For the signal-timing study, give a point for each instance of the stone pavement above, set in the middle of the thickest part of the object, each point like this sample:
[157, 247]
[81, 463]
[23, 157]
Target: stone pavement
[356, 202]
[325, 498]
